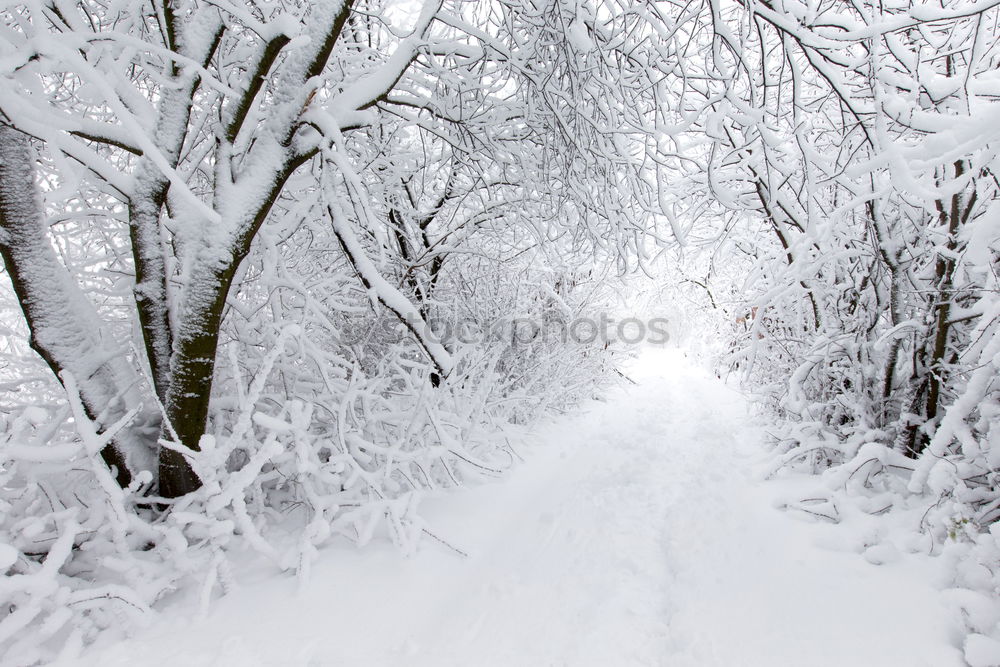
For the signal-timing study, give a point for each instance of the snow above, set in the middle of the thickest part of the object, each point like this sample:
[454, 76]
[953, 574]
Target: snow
[637, 532]
[982, 651]
[8, 556]
[579, 38]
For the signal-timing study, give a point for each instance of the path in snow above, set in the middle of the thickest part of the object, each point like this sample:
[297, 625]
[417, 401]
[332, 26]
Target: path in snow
[636, 534]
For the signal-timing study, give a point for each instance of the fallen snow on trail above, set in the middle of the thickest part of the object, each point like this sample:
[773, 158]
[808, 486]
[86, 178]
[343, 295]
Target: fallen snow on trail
[637, 533]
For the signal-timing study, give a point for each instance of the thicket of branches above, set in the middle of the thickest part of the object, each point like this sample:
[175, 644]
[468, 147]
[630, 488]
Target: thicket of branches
[862, 136]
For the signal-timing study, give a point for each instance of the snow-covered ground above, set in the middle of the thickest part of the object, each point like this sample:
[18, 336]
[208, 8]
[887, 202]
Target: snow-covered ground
[638, 532]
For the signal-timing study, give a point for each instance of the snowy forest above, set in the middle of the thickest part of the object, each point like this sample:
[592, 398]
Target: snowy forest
[280, 273]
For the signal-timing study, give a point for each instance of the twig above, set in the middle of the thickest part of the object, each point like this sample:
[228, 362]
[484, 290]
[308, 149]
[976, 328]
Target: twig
[625, 376]
[445, 543]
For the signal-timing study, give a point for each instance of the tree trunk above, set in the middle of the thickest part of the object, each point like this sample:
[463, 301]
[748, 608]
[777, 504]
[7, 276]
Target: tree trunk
[191, 374]
[65, 329]
[952, 218]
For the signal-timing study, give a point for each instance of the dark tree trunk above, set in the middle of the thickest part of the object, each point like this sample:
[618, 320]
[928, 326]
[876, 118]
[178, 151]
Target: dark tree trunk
[191, 376]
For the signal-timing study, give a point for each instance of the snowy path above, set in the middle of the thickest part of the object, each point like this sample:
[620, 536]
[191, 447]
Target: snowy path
[637, 535]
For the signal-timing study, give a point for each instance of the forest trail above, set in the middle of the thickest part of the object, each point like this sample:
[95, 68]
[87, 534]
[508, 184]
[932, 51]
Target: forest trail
[637, 533]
